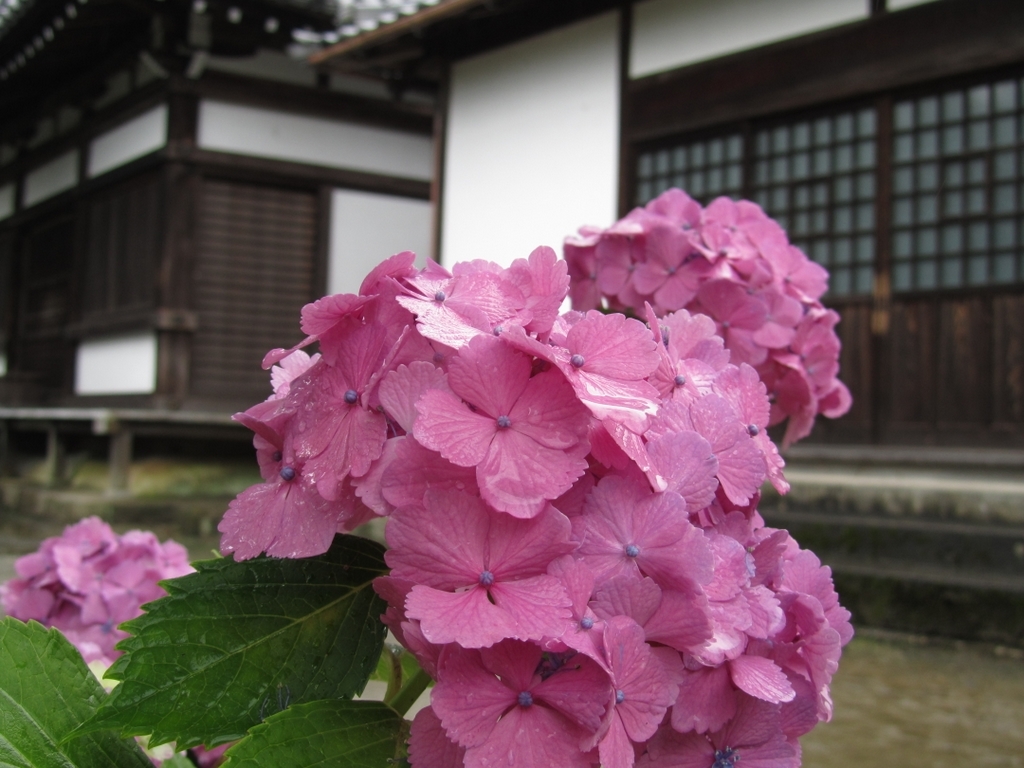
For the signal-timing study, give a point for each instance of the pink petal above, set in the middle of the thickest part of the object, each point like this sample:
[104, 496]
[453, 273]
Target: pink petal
[282, 519]
[324, 314]
[761, 678]
[539, 606]
[403, 386]
[344, 445]
[398, 266]
[741, 467]
[669, 749]
[415, 470]
[447, 426]
[689, 466]
[490, 374]
[440, 544]
[647, 692]
[706, 701]
[548, 412]
[613, 346]
[624, 596]
[681, 621]
[544, 281]
[756, 722]
[468, 618]
[615, 749]
[522, 548]
[468, 698]
[429, 745]
[580, 690]
[534, 737]
[519, 476]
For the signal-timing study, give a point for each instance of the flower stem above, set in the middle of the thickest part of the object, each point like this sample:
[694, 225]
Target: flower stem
[410, 692]
[395, 679]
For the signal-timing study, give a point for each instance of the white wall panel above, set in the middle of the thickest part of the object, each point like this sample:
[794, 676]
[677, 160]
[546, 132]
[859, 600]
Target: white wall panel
[133, 138]
[116, 365]
[895, 5]
[366, 228]
[532, 144]
[6, 201]
[673, 33]
[50, 178]
[300, 138]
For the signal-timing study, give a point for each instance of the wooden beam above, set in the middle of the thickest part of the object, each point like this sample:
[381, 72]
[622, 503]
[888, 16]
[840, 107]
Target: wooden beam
[885, 52]
[53, 468]
[289, 98]
[120, 459]
[440, 152]
[443, 10]
[627, 164]
[286, 173]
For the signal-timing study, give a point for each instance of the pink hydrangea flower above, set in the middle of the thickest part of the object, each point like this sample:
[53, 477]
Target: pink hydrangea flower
[627, 529]
[480, 574]
[526, 435]
[758, 288]
[575, 549]
[89, 580]
[502, 704]
[752, 738]
[643, 692]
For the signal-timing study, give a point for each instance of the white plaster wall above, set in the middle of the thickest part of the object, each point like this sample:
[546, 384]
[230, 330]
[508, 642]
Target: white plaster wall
[116, 365]
[366, 228]
[895, 5]
[532, 143]
[672, 33]
[6, 201]
[50, 178]
[300, 138]
[134, 138]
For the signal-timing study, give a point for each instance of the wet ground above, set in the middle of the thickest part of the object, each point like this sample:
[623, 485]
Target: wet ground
[915, 705]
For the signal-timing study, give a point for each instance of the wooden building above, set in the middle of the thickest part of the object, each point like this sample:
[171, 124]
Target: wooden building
[173, 188]
[886, 135]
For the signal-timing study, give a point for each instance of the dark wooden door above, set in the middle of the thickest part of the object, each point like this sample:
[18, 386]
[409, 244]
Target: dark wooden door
[254, 270]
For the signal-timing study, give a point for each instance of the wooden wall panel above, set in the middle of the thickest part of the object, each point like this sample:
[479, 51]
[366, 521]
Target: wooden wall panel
[911, 388]
[253, 273]
[855, 368]
[964, 368]
[1008, 362]
[124, 231]
[48, 268]
[7, 294]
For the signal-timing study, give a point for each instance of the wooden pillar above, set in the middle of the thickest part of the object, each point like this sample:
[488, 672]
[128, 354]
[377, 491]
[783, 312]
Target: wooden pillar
[6, 459]
[120, 458]
[53, 469]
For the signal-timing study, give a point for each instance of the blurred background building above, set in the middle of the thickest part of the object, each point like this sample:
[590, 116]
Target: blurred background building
[178, 178]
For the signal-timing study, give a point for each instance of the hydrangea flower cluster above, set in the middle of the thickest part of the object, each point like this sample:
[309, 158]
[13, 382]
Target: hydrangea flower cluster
[89, 580]
[732, 262]
[576, 555]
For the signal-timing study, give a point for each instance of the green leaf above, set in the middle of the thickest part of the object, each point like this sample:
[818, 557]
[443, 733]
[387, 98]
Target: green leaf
[341, 734]
[46, 692]
[234, 643]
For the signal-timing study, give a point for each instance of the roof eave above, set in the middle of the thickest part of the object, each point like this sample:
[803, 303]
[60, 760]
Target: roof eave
[382, 34]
